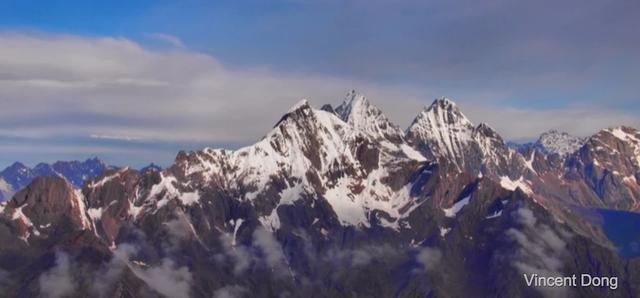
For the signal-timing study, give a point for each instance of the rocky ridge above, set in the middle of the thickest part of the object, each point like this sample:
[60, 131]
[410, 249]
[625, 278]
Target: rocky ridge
[339, 186]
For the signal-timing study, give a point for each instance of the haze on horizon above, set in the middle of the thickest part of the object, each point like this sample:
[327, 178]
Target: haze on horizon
[134, 84]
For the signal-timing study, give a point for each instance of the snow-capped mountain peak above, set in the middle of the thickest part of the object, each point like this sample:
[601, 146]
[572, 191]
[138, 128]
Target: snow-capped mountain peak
[302, 104]
[557, 142]
[442, 113]
[445, 102]
[359, 113]
[354, 107]
[314, 152]
[442, 129]
[488, 131]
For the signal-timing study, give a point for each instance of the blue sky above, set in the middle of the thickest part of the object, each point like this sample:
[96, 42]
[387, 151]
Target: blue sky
[134, 83]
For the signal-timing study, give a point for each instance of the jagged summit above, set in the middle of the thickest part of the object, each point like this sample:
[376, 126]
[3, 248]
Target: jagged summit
[488, 131]
[442, 114]
[444, 102]
[302, 104]
[352, 97]
[358, 112]
[623, 132]
[441, 129]
[312, 151]
[300, 109]
[353, 107]
[17, 167]
[151, 167]
[19, 175]
[557, 142]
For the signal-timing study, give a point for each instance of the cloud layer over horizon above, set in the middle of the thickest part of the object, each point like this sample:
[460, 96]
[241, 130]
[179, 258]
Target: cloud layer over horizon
[70, 96]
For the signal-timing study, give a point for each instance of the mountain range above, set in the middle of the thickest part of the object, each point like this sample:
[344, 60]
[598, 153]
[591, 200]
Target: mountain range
[17, 176]
[338, 202]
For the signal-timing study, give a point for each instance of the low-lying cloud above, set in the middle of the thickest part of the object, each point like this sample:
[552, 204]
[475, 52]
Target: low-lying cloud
[232, 291]
[271, 250]
[429, 258]
[178, 229]
[540, 249]
[58, 280]
[265, 251]
[166, 278]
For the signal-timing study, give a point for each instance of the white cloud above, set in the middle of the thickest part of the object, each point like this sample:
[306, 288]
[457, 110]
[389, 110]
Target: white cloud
[540, 249]
[240, 256]
[167, 278]
[270, 247]
[58, 85]
[105, 87]
[109, 274]
[429, 258]
[57, 281]
[233, 291]
[117, 138]
[523, 123]
[168, 38]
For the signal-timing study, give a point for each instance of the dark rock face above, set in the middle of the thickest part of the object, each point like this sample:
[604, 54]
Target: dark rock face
[51, 201]
[328, 204]
[47, 208]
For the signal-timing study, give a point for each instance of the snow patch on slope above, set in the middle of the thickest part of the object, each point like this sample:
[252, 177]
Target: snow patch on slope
[348, 207]
[453, 211]
[171, 192]
[632, 139]
[106, 179]
[412, 153]
[521, 183]
[287, 197]
[495, 214]
[19, 215]
[95, 213]
[529, 162]
[78, 202]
